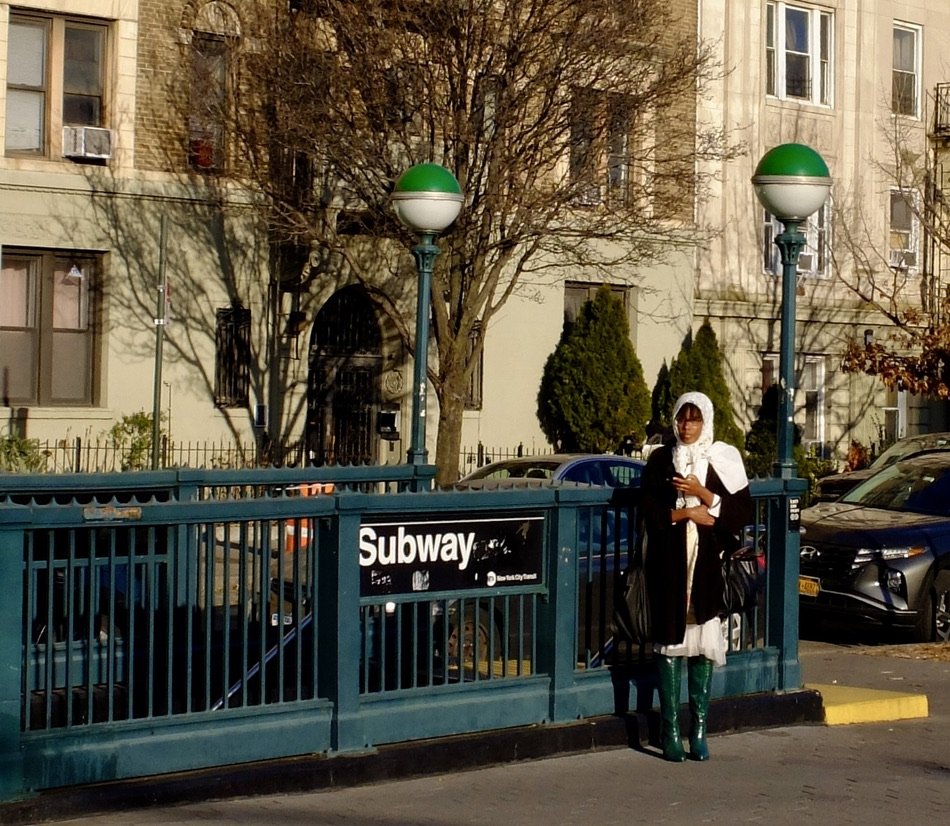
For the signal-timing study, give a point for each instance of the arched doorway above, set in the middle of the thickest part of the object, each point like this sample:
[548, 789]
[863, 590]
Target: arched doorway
[345, 361]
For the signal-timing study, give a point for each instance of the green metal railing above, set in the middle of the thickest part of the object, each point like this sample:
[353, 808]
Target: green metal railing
[161, 622]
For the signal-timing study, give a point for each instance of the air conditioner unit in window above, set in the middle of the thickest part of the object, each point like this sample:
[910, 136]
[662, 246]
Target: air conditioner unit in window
[806, 262]
[90, 142]
[902, 259]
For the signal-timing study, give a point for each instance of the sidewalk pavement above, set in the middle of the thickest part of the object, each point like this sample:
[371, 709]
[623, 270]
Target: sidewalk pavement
[881, 756]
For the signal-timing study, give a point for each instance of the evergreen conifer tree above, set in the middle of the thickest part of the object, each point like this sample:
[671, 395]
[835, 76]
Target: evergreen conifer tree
[699, 366]
[592, 393]
[661, 402]
[708, 369]
[681, 371]
[761, 442]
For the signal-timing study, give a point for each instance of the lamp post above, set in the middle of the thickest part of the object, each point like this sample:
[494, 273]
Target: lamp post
[791, 182]
[427, 199]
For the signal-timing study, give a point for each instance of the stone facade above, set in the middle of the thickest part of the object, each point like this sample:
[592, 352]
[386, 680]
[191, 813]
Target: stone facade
[217, 254]
[853, 132]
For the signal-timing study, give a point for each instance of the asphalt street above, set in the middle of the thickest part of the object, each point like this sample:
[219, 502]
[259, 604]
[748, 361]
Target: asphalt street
[882, 772]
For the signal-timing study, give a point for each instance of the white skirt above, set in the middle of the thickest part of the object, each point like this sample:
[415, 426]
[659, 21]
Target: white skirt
[706, 640]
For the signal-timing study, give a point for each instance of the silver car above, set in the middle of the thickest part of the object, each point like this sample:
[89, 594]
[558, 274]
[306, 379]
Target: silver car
[832, 487]
[881, 553]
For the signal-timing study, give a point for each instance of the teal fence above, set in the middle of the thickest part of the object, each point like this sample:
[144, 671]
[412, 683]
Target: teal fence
[160, 622]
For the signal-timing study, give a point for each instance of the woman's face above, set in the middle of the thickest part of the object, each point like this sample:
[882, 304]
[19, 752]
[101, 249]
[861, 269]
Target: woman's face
[689, 425]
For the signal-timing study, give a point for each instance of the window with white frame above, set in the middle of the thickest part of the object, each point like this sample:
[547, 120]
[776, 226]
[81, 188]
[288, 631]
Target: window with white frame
[56, 78]
[904, 231]
[48, 348]
[811, 394]
[814, 259]
[894, 425]
[813, 389]
[905, 75]
[770, 372]
[618, 148]
[799, 45]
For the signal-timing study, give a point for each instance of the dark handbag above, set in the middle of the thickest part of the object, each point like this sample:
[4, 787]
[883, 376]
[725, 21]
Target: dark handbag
[632, 607]
[740, 582]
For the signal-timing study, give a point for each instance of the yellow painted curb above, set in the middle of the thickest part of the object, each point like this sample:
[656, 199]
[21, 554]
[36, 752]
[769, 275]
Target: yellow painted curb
[844, 705]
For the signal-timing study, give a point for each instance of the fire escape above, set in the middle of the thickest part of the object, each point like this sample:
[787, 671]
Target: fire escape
[936, 249]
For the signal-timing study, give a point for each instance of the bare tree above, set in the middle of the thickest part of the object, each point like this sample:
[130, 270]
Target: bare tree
[570, 124]
[902, 279]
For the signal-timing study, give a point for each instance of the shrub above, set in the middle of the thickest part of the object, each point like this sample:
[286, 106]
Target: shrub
[592, 394]
[21, 455]
[132, 437]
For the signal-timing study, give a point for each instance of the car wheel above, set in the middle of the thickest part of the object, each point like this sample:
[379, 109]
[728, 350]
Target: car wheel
[934, 621]
[942, 607]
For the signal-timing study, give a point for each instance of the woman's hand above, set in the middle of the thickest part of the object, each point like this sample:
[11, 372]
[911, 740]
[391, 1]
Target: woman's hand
[688, 485]
[691, 486]
[701, 516]
[698, 514]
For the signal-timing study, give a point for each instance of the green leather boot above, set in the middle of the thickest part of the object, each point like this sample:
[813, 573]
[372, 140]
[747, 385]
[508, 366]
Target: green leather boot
[670, 678]
[699, 682]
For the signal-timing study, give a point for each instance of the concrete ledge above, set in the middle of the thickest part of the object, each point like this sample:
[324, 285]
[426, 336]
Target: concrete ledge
[844, 705]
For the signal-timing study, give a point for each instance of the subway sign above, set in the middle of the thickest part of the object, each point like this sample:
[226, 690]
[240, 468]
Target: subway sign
[404, 556]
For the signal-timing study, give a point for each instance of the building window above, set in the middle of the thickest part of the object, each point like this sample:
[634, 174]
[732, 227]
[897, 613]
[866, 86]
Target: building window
[473, 396]
[906, 71]
[578, 293]
[215, 32]
[601, 160]
[487, 94]
[618, 114]
[894, 424]
[770, 371]
[210, 67]
[48, 347]
[814, 259]
[813, 389]
[798, 49]
[582, 168]
[811, 385]
[55, 78]
[232, 356]
[904, 232]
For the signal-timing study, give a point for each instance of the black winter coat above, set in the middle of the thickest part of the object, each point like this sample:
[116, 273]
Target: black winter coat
[665, 563]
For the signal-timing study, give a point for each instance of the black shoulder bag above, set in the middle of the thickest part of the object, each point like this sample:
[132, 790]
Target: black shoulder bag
[632, 607]
[740, 581]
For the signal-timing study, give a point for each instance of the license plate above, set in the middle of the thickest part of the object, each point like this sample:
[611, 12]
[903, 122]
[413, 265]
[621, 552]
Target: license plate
[809, 587]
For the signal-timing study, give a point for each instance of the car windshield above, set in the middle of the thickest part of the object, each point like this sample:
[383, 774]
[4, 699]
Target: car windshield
[539, 469]
[919, 487]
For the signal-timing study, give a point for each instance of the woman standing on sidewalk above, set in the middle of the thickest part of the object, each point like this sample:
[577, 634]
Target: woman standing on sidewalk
[695, 502]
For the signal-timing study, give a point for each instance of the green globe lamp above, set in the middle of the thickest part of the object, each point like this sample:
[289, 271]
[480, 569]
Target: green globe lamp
[427, 198]
[792, 182]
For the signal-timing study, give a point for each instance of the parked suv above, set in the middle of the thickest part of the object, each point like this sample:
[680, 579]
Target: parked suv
[881, 553]
[834, 486]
